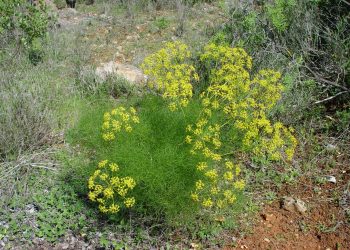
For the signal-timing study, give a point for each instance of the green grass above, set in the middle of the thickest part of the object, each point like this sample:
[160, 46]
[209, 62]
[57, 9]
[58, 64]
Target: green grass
[154, 154]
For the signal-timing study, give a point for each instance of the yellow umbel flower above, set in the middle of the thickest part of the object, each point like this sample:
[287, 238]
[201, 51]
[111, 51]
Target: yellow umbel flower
[171, 74]
[108, 189]
[199, 185]
[119, 119]
[129, 202]
[207, 203]
[113, 208]
[239, 184]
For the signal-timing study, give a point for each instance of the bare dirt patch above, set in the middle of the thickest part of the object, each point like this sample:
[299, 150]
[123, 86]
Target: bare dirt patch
[324, 226]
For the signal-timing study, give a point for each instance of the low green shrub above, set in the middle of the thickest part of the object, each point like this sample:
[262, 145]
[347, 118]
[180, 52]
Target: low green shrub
[25, 24]
[154, 154]
[169, 156]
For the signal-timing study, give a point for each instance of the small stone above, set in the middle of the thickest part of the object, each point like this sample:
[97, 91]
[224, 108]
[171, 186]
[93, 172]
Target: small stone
[287, 203]
[63, 246]
[267, 240]
[30, 209]
[300, 206]
[331, 179]
[330, 147]
[267, 217]
[195, 246]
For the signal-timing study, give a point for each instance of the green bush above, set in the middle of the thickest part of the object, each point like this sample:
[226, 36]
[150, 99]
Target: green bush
[154, 154]
[25, 24]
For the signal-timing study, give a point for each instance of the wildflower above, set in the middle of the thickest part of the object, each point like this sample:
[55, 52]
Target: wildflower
[239, 184]
[201, 166]
[216, 157]
[92, 196]
[108, 193]
[129, 202]
[128, 128]
[109, 187]
[114, 167]
[199, 185]
[129, 182]
[91, 183]
[103, 208]
[232, 199]
[184, 102]
[108, 136]
[172, 106]
[214, 190]
[207, 203]
[104, 176]
[135, 119]
[206, 102]
[102, 164]
[122, 191]
[113, 208]
[229, 165]
[107, 116]
[228, 176]
[212, 174]
[106, 125]
[189, 128]
[238, 170]
[188, 139]
[195, 197]
[133, 110]
[197, 145]
[215, 104]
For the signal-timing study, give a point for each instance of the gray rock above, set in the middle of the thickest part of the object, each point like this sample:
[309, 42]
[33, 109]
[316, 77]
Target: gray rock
[300, 206]
[287, 203]
[331, 178]
[331, 147]
[293, 205]
[127, 71]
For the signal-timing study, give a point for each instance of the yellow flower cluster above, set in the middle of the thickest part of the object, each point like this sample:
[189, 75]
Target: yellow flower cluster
[109, 190]
[117, 120]
[245, 101]
[234, 114]
[204, 138]
[170, 74]
[218, 186]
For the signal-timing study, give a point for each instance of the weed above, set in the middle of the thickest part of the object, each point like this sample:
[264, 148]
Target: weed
[162, 23]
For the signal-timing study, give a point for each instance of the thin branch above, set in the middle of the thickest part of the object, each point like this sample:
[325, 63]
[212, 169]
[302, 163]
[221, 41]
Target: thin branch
[331, 97]
[320, 79]
[345, 2]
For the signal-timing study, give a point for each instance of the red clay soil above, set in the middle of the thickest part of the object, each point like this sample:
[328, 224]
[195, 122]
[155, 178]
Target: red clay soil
[324, 226]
